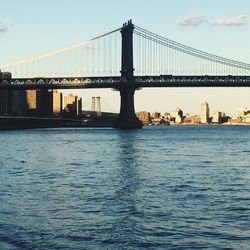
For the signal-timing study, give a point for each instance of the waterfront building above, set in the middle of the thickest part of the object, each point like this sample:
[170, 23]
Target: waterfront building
[23, 102]
[217, 117]
[167, 115]
[234, 120]
[49, 103]
[42, 99]
[177, 112]
[224, 118]
[187, 118]
[178, 119]
[156, 115]
[192, 119]
[195, 119]
[30, 102]
[177, 115]
[204, 113]
[246, 118]
[243, 116]
[56, 102]
[69, 100]
[167, 118]
[157, 121]
[73, 104]
[144, 117]
[243, 112]
[96, 105]
[18, 102]
[31, 99]
[79, 106]
[5, 102]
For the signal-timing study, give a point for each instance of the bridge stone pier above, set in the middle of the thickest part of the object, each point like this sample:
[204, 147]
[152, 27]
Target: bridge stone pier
[127, 118]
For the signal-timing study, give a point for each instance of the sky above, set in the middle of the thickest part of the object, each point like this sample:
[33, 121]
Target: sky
[33, 27]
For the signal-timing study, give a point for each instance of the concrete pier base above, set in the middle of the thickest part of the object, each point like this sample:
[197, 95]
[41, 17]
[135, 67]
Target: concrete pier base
[127, 123]
[127, 118]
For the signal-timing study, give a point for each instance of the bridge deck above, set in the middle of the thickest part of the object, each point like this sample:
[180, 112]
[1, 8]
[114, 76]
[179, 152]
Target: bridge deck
[121, 82]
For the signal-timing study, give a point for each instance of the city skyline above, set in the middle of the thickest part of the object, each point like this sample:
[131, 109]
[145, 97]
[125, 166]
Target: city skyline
[191, 23]
[186, 111]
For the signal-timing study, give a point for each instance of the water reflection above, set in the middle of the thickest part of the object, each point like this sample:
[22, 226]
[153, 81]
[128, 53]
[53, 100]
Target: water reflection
[126, 191]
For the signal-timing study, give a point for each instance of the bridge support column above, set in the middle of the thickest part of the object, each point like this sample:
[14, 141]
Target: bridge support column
[127, 118]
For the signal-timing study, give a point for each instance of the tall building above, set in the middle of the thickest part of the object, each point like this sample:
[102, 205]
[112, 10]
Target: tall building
[43, 103]
[217, 117]
[30, 102]
[96, 104]
[70, 104]
[177, 112]
[31, 99]
[177, 115]
[204, 113]
[24, 102]
[79, 106]
[55, 102]
[5, 102]
[19, 106]
[73, 104]
[49, 103]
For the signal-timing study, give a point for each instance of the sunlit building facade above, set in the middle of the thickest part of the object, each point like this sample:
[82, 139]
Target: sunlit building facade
[144, 117]
[217, 117]
[49, 103]
[73, 104]
[204, 113]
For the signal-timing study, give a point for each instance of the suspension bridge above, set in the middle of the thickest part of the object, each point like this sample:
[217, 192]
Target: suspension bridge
[125, 59]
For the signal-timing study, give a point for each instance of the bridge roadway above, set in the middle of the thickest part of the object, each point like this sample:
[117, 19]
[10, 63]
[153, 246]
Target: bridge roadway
[117, 82]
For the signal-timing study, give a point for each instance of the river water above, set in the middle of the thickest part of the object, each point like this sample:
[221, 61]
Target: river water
[155, 188]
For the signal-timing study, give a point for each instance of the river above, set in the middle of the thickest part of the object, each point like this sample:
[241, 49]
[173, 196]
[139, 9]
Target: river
[157, 188]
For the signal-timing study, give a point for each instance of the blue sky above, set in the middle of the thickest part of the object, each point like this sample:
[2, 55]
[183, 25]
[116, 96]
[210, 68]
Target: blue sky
[34, 27]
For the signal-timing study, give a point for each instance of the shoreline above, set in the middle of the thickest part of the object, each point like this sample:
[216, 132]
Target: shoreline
[9, 123]
[21, 123]
[197, 125]
[212, 125]
[24, 123]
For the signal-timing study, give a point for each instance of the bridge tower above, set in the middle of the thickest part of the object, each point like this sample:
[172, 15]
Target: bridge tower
[127, 118]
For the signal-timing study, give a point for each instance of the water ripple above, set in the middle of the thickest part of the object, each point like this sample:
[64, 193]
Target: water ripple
[111, 189]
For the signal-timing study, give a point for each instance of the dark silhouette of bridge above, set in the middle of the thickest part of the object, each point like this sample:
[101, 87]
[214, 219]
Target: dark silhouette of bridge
[108, 61]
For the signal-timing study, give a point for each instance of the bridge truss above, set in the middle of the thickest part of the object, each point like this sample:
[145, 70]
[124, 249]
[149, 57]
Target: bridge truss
[117, 82]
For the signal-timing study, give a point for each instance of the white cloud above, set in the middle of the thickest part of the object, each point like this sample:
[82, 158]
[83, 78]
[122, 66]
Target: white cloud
[4, 25]
[236, 21]
[193, 20]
